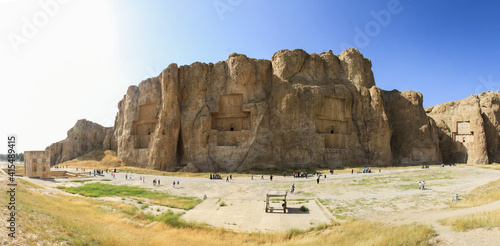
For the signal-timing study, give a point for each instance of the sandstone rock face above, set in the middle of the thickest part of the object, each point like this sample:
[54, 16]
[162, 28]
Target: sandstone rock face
[358, 69]
[297, 110]
[490, 111]
[462, 135]
[85, 136]
[189, 168]
[415, 135]
[136, 121]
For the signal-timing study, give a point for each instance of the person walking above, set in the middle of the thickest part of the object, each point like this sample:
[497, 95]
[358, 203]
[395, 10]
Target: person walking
[271, 177]
[317, 180]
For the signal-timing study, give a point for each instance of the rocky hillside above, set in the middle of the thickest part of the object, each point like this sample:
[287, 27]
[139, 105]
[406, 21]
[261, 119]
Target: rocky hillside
[469, 129]
[84, 137]
[295, 110]
[415, 137]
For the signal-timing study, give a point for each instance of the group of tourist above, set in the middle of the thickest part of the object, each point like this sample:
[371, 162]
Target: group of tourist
[300, 175]
[215, 176]
[155, 182]
[451, 164]
[97, 172]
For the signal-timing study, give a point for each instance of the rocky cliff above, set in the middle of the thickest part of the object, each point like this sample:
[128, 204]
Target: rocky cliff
[469, 129]
[85, 136]
[415, 137]
[296, 110]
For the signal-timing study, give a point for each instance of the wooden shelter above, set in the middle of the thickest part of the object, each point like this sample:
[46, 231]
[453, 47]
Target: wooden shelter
[280, 194]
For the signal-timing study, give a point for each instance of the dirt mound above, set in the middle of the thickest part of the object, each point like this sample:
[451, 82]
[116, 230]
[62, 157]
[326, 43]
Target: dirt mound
[96, 158]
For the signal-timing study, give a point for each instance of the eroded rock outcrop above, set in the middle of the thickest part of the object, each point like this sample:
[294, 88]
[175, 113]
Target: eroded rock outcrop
[82, 138]
[469, 128]
[415, 136]
[297, 110]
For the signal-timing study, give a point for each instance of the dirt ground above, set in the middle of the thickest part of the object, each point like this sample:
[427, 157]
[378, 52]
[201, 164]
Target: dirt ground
[389, 196]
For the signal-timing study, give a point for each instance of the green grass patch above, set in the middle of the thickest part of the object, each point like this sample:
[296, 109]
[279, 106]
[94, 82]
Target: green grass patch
[298, 200]
[323, 201]
[303, 209]
[155, 197]
[222, 204]
[490, 166]
[81, 180]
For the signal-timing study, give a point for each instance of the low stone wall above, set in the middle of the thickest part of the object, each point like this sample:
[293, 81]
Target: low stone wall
[58, 174]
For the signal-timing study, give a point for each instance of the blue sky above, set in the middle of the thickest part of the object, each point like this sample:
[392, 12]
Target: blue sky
[84, 54]
[440, 48]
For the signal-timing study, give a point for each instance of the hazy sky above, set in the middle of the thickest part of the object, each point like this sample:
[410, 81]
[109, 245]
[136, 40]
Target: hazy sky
[66, 60]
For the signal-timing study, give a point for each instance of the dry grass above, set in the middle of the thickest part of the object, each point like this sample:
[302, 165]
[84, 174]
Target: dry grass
[95, 159]
[147, 171]
[368, 233]
[473, 221]
[481, 195]
[86, 221]
[494, 166]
